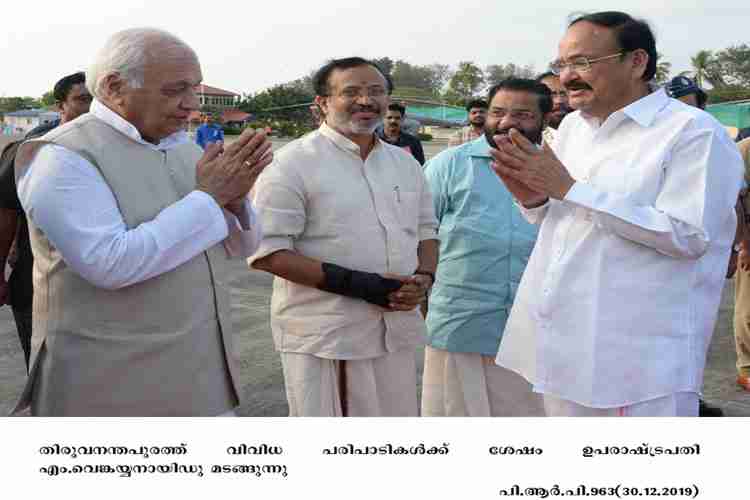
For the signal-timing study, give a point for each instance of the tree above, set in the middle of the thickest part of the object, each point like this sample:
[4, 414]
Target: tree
[441, 73]
[8, 104]
[706, 68]
[48, 99]
[286, 94]
[734, 64]
[385, 64]
[465, 83]
[496, 73]
[663, 69]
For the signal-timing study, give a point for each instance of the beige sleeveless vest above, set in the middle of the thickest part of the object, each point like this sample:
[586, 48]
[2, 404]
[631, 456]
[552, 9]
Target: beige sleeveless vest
[162, 347]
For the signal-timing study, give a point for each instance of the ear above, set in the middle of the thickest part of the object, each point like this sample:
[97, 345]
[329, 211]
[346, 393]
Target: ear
[640, 62]
[112, 87]
[322, 102]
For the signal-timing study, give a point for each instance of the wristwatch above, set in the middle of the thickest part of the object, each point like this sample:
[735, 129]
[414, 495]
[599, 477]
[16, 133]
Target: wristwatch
[426, 273]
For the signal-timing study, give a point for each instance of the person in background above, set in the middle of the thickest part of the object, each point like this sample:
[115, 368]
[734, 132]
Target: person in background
[72, 99]
[560, 106]
[477, 110]
[392, 134]
[209, 132]
[742, 283]
[686, 90]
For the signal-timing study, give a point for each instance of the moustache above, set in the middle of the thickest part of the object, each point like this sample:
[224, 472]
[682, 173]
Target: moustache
[578, 86]
[365, 109]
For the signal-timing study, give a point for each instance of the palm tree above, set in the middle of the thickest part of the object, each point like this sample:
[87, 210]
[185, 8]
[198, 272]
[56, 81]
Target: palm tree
[662, 69]
[700, 62]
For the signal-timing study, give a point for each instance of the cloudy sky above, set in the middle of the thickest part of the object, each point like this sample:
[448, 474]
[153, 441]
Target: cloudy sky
[250, 45]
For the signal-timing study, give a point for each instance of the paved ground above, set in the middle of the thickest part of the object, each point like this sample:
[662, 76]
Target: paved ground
[261, 369]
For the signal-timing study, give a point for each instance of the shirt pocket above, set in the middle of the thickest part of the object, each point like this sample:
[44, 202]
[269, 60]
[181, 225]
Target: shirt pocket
[407, 211]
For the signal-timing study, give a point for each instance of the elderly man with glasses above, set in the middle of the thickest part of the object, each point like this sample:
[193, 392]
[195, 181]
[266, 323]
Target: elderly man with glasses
[350, 234]
[131, 228]
[635, 202]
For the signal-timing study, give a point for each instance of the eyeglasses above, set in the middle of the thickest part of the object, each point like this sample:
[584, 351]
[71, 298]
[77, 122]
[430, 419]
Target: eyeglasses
[351, 93]
[516, 115]
[558, 93]
[579, 64]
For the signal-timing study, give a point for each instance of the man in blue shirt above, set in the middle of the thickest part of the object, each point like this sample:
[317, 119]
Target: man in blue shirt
[209, 132]
[484, 245]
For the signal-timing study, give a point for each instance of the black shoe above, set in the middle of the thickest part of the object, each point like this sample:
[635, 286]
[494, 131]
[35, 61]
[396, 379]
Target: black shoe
[707, 410]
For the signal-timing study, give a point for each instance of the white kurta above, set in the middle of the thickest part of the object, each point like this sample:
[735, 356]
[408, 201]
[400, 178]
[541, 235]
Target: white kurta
[619, 298]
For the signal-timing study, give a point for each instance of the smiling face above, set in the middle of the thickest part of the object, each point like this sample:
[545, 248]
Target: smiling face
[560, 106]
[515, 109]
[357, 98]
[162, 105]
[609, 84]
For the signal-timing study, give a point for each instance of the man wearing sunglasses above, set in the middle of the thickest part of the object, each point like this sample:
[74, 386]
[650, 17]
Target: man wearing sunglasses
[635, 201]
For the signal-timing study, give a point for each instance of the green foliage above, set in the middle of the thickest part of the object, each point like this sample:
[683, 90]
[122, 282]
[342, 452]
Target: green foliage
[465, 83]
[8, 104]
[663, 69]
[385, 64]
[706, 68]
[727, 94]
[414, 93]
[496, 73]
[286, 94]
[424, 137]
[282, 127]
[232, 130]
[48, 99]
[735, 64]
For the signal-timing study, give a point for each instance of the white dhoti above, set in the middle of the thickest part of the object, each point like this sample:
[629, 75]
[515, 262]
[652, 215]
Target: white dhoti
[680, 404]
[380, 387]
[460, 384]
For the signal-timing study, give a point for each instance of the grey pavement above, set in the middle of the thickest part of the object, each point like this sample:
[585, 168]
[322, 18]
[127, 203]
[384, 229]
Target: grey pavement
[262, 380]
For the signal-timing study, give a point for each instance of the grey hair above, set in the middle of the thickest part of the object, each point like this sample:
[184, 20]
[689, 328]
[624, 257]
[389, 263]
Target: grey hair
[125, 54]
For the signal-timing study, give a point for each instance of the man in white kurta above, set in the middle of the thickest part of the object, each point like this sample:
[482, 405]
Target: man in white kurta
[341, 201]
[616, 308]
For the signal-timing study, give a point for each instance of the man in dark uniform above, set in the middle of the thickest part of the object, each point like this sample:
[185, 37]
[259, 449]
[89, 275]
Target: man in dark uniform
[72, 99]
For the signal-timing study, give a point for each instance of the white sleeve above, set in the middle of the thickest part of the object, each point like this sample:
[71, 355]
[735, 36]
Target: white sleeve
[245, 231]
[701, 181]
[69, 201]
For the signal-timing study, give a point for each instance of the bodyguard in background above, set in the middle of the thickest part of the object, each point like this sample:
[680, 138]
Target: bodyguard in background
[72, 99]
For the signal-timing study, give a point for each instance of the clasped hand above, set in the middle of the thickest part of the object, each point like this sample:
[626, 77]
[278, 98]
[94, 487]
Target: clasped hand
[229, 174]
[531, 174]
[412, 293]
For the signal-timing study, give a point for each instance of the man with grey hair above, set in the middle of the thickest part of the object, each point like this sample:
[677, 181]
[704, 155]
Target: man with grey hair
[131, 227]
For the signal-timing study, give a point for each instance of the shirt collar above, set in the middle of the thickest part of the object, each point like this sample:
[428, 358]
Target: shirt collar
[342, 141]
[117, 122]
[643, 111]
[479, 147]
